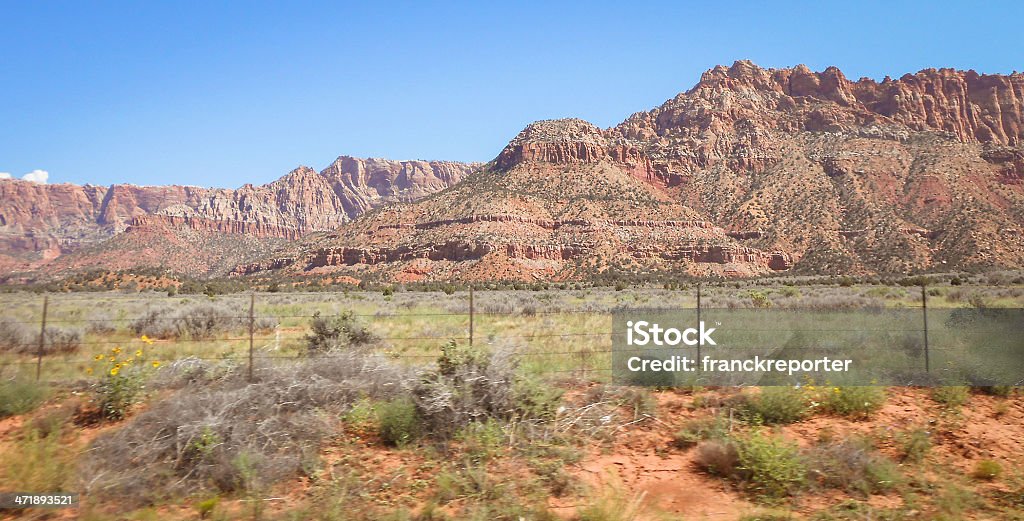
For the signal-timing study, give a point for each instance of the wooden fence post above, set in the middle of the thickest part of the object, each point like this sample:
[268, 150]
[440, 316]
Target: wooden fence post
[42, 339]
[252, 324]
[471, 313]
[700, 341]
[924, 313]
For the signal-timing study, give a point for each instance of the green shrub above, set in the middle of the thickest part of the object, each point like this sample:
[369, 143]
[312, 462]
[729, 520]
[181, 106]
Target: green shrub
[1001, 391]
[399, 422]
[853, 402]
[914, 444]
[777, 405]
[769, 466]
[536, 399]
[206, 507]
[697, 430]
[951, 396]
[336, 331]
[760, 300]
[20, 397]
[987, 470]
[853, 466]
[483, 440]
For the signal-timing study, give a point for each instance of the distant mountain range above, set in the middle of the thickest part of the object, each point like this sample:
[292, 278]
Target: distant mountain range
[752, 171]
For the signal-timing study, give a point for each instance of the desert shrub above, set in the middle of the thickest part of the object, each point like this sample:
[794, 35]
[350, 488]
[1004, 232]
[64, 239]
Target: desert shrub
[697, 430]
[854, 402]
[952, 396]
[102, 323]
[62, 339]
[853, 466]
[470, 385]
[206, 507]
[552, 473]
[1001, 391]
[536, 399]
[987, 470]
[760, 300]
[777, 405]
[482, 440]
[638, 400]
[769, 466]
[717, 457]
[914, 444]
[399, 422]
[193, 371]
[20, 397]
[979, 301]
[332, 332]
[17, 337]
[228, 435]
[198, 320]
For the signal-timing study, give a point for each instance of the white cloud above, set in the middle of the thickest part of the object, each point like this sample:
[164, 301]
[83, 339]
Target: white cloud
[37, 176]
[5, 175]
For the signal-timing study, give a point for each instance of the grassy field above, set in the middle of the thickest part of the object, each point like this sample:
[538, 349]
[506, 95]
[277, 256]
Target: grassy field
[556, 331]
[366, 405]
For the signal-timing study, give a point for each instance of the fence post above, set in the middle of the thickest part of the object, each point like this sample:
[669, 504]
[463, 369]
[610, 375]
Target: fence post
[252, 324]
[924, 313]
[471, 313]
[700, 341]
[42, 339]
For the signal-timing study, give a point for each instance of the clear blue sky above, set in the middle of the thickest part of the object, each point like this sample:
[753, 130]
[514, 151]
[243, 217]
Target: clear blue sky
[224, 93]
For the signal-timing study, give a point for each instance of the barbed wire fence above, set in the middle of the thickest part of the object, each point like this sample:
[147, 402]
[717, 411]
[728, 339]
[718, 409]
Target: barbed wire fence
[597, 342]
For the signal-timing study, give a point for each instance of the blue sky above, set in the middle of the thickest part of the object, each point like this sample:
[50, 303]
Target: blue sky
[224, 93]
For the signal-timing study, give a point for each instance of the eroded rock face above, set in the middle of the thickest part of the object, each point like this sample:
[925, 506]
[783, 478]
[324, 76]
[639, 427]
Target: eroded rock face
[362, 184]
[39, 222]
[751, 171]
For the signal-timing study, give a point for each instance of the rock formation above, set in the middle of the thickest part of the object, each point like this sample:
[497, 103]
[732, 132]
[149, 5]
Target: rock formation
[752, 171]
[41, 222]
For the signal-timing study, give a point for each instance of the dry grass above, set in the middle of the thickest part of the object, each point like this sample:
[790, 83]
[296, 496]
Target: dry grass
[226, 434]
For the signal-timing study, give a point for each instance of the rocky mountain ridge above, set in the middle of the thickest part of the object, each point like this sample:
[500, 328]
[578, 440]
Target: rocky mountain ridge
[39, 223]
[789, 168]
[751, 171]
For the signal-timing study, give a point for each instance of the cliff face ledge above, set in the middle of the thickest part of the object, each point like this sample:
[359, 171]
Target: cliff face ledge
[39, 222]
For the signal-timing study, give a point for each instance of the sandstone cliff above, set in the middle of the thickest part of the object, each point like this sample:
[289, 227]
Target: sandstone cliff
[784, 169]
[41, 222]
[751, 171]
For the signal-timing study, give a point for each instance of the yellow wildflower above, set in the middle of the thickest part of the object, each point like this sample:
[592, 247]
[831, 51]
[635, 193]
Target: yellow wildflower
[98, 358]
[88, 370]
[112, 359]
[138, 352]
[146, 339]
[116, 350]
[156, 364]
[114, 370]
